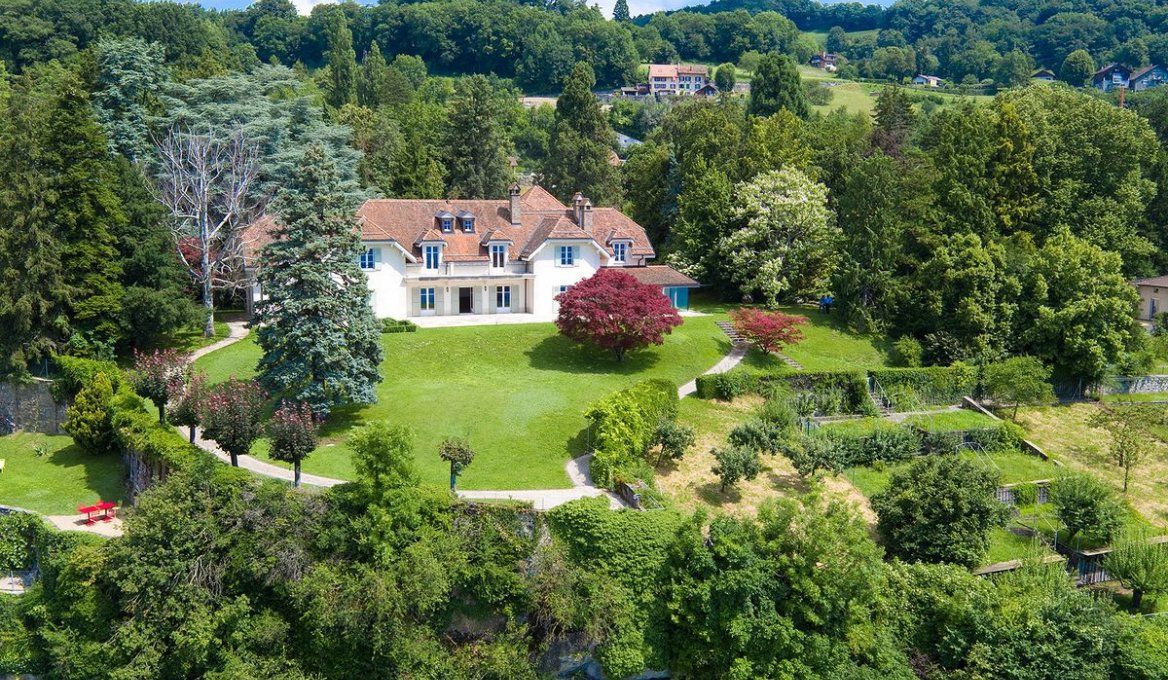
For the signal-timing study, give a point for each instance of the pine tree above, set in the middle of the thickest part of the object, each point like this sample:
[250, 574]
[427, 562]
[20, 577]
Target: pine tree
[342, 62]
[320, 339]
[1014, 184]
[580, 152]
[620, 12]
[476, 144]
[776, 85]
[893, 120]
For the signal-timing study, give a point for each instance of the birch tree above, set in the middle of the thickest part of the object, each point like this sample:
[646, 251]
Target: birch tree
[207, 182]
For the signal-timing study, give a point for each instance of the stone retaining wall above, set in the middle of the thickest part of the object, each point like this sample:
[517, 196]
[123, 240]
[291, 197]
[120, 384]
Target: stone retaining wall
[29, 407]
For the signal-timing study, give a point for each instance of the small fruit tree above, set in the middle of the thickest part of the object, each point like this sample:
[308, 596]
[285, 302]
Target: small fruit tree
[614, 311]
[233, 416]
[160, 376]
[459, 454]
[769, 331]
[292, 430]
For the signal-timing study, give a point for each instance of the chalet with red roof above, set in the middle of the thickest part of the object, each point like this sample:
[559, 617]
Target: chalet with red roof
[436, 257]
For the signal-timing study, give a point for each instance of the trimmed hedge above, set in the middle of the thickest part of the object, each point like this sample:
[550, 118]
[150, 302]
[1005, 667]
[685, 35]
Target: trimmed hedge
[138, 431]
[398, 326]
[73, 373]
[909, 388]
[623, 424]
[812, 392]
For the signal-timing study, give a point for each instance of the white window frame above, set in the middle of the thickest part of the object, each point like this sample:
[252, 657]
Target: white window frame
[427, 301]
[503, 294]
[620, 252]
[368, 260]
[565, 256]
[499, 249]
[426, 250]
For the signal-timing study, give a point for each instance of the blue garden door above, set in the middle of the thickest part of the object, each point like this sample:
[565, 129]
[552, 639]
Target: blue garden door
[678, 296]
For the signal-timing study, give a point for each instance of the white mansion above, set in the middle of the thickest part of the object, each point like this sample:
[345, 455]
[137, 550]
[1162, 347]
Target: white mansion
[485, 257]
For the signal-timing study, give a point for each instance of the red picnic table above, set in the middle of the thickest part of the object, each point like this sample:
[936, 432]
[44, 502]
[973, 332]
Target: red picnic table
[102, 510]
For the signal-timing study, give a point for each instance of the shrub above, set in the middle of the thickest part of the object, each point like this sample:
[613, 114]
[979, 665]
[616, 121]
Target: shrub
[398, 326]
[458, 452]
[159, 376]
[624, 425]
[757, 434]
[1086, 506]
[828, 392]
[941, 509]
[924, 386]
[736, 463]
[20, 533]
[907, 352]
[810, 454]
[675, 439]
[1025, 493]
[780, 412]
[89, 419]
[768, 331]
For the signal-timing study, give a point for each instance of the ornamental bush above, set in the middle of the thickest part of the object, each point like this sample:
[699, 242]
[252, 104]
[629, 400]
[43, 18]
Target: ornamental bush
[89, 419]
[624, 425]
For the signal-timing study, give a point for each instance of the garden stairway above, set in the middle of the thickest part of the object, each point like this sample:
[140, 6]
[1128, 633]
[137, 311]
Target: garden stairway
[736, 340]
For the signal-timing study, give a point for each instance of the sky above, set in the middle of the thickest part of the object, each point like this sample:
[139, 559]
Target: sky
[635, 6]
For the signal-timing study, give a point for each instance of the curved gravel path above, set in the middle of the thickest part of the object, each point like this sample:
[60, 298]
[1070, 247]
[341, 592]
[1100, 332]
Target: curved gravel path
[577, 469]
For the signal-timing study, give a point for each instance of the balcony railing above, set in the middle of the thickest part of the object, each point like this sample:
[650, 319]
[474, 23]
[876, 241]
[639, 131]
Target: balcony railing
[465, 270]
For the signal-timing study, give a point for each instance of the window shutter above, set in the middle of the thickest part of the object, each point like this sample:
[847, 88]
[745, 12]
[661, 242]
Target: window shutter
[377, 258]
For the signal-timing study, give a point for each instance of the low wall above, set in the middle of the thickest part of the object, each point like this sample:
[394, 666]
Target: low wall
[1137, 384]
[29, 407]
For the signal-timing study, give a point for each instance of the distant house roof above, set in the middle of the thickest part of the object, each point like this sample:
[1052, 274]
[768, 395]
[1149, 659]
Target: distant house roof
[1107, 70]
[661, 275]
[675, 70]
[707, 90]
[1043, 74]
[930, 80]
[1155, 281]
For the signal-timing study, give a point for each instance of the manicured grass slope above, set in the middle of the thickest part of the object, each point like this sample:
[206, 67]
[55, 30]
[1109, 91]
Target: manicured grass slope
[57, 482]
[827, 346]
[517, 392]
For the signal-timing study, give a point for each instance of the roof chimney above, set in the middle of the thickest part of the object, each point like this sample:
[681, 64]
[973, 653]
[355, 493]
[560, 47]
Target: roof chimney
[516, 217]
[583, 210]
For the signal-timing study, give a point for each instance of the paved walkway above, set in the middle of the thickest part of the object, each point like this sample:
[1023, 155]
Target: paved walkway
[238, 331]
[728, 362]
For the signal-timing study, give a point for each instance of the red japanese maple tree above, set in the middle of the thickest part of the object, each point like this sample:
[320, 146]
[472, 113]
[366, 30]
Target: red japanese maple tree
[769, 331]
[614, 311]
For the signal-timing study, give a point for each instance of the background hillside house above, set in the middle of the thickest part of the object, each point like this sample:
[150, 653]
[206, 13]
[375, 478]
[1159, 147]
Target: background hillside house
[828, 61]
[435, 257]
[1153, 296]
[927, 81]
[677, 78]
[1115, 76]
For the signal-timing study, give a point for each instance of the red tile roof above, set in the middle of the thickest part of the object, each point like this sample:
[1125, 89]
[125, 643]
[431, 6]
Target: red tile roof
[661, 275]
[1155, 281]
[407, 222]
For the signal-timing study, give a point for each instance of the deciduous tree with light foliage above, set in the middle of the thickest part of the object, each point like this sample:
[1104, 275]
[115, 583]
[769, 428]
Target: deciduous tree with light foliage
[769, 331]
[786, 242]
[614, 311]
[1139, 562]
[1130, 429]
[1019, 380]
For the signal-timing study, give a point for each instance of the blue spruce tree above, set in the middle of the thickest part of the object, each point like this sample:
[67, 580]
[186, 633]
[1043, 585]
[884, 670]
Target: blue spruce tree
[320, 339]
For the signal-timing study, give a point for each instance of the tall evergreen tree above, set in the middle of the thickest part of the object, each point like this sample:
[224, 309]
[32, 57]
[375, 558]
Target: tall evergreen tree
[476, 143]
[893, 119]
[320, 339]
[580, 152]
[342, 62]
[620, 11]
[776, 85]
[129, 74]
[84, 214]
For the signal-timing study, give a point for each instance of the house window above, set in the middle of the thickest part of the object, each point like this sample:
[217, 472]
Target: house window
[433, 256]
[620, 252]
[503, 297]
[447, 224]
[566, 256]
[369, 259]
[468, 224]
[426, 299]
[562, 289]
[498, 255]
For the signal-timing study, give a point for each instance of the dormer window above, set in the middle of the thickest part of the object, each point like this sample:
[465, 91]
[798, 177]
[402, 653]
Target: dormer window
[433, 256]
[447, 224]
[620, 252]
[498, 255]
[468, 224]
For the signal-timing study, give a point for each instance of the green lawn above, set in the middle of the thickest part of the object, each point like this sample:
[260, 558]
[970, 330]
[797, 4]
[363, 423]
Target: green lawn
[1006, 545]
[827, 346]
[1137, 398]
[517, 392]
[960, 419]
[191, 340]
[858, 426]
[1014, 466]
[60, 480]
